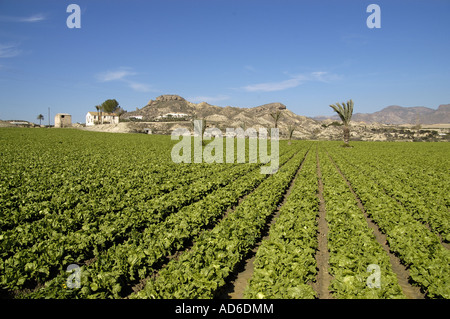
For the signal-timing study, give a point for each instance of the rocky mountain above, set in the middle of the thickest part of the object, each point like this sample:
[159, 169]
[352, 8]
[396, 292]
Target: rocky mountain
[177, 108]
[395, 114]
[168, 112]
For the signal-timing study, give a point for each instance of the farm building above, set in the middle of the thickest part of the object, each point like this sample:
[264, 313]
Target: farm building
[173, 115]
[93, 118]
[63, 120]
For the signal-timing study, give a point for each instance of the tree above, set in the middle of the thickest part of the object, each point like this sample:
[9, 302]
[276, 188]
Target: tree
[40, 117]
[203, 127]
[119, 111]
[99, 113]
[315, 133]
[345, 112]
[291, 129]
[276, 116]
[109, 106]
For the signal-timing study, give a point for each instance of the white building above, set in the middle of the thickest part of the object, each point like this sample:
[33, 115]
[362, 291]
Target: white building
[63, 120]
[93, 118]
[173, 115]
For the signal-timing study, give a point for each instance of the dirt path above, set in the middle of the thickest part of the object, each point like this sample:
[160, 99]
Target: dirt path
[322, 255]
[411, 292]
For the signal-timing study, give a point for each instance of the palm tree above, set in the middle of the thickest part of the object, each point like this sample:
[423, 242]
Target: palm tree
[345, 112]
[203, 127]
[276, 116]
[40, 118]
[291, 129]
[99, 114]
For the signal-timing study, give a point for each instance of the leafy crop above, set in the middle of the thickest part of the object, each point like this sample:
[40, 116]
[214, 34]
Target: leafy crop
[285, 264]
[201, 271]
[415, 244]
[352, 244]
[141, 226]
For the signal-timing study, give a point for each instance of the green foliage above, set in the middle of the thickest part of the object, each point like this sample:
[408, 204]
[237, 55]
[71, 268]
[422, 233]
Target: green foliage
[110, 106]
[351, 243]
[276, 117]
[408, 199]
[118, 207]
[291, 129]
[40, 117]
[202, 270]
[345, 111]
[285, 263]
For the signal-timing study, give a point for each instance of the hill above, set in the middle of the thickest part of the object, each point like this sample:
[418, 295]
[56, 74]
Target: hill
[395, 114]
[163, 106]
[168, 112]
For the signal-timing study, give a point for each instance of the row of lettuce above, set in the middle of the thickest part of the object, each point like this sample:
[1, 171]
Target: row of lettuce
[201, 271]
[408, 231]
[285, 264]
[114, 271]
[128, 230]
[356, 258]
[414, 175]
[102, 191]
[360, 267]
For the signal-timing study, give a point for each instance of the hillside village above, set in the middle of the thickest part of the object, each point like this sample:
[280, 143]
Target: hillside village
[168, 112]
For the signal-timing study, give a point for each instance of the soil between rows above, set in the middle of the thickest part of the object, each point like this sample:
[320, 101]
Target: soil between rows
[189, 243]
[238, 280]
[235, 288]
[322, 255]
[402, 273]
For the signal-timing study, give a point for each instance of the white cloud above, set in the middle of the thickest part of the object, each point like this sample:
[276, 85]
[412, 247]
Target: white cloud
[31, 19]
[273, 86]
[139, 87]
[9, 50]
[209, 99]
[324, 77]
[114, 75]
[294, 81]
[122, 74]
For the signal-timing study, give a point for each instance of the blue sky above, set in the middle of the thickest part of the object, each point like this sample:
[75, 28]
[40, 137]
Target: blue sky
[304, 54]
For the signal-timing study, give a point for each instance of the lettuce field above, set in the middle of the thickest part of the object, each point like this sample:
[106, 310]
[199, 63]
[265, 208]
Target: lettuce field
[102, 215]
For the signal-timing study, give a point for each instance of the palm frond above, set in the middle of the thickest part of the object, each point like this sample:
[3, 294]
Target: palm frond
[344, 110]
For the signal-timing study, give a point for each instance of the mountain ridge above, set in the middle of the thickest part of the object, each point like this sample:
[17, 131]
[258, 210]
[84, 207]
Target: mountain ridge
[175, 104]
[166, 113]
[395, 114]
